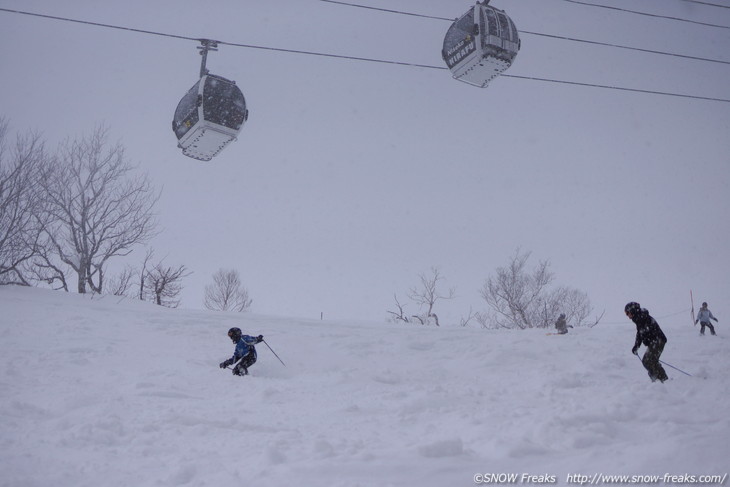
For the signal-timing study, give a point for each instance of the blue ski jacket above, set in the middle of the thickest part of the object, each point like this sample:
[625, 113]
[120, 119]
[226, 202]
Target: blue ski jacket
[244, 346]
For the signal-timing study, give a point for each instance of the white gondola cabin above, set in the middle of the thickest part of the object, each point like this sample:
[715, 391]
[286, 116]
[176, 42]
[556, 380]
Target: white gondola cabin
[210, 115]
[480, 45]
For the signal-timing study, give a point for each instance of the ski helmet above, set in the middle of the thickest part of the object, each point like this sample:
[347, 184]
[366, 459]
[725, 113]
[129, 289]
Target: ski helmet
[631, 308]
[234, 334]
[704, 305]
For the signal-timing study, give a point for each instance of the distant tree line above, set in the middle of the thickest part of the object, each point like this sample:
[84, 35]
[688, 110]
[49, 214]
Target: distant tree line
[65, 215]
[517, 297]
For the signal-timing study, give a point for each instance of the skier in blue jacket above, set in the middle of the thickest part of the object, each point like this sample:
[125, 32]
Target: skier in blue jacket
[245, 352]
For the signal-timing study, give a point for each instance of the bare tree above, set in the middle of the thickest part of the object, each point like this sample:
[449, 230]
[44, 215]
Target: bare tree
[98, 210]
[427, 295]
[522, 298]
[400, 314]
[577, 308]
[120, 284]
[143, 274]
[514, 293]
[464, 321]
[21, 170]
[226, 293]
[163, 284]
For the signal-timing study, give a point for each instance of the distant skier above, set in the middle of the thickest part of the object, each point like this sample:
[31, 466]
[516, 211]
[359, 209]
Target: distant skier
[561, 325]
[244, 353]
[704, 317]
[648, 333]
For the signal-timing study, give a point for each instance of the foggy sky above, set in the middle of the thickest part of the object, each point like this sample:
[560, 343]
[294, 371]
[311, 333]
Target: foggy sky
[350, 177]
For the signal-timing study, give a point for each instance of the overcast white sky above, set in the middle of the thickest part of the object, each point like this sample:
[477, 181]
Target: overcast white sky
[351, 178]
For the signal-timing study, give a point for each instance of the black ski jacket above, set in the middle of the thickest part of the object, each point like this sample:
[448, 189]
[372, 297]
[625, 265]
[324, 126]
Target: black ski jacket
[647, 330]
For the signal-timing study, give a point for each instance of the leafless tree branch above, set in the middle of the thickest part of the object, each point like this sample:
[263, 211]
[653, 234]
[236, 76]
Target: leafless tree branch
[226, 293]
[97, 209]
[21, 171]
[164, 284]
[521, 298]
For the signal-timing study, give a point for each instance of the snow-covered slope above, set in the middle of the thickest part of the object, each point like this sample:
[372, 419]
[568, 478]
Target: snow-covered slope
[103, 392]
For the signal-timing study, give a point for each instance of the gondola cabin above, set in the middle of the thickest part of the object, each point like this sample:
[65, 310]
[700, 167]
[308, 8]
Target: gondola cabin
[209, 117]
[480, 45]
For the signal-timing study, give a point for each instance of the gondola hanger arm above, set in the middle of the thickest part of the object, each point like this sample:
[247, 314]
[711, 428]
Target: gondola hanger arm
[206, 45]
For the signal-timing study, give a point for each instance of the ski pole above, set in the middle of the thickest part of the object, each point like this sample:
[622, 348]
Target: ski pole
[675, 368]
[272, 351]
[235, 363]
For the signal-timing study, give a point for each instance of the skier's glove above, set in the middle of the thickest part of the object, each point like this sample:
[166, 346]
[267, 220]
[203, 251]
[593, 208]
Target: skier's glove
[635, 351]
[226, 363]
[259, 339]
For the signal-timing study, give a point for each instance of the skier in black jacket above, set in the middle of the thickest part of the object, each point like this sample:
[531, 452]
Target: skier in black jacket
[648, 333]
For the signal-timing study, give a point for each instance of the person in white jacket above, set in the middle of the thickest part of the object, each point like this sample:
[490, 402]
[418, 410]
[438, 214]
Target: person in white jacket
[704, 317]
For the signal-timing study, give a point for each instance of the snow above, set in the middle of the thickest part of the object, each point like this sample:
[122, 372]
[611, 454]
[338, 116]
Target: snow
[108, 391]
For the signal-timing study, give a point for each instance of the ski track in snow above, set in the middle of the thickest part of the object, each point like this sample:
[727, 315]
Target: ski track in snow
[110, 392]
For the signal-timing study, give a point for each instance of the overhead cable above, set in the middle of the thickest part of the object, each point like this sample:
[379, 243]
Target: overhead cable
[678, 19]
[564, 38]
[619, 88]
[249, 46]
[387, 10]
[354, 58]
[706, 3]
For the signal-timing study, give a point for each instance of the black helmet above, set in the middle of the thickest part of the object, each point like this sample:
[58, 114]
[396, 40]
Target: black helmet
[234, 334]
[632, 308]
[704, 305]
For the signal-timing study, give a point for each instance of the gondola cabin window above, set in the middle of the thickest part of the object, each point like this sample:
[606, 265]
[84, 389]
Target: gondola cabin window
[186, 115]
[224, 103]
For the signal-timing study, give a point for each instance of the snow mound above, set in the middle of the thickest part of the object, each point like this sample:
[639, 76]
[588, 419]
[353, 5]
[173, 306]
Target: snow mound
[115, 392]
